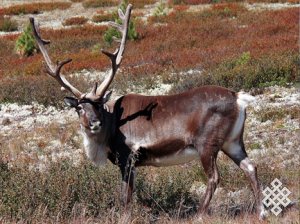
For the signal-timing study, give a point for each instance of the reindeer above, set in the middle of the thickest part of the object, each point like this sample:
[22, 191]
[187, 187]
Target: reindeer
[136, 130]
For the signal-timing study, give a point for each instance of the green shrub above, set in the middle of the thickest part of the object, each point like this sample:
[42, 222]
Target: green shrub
[25, 44]
[8, 25]
[245, 72]
[160, 10]
[112, 32]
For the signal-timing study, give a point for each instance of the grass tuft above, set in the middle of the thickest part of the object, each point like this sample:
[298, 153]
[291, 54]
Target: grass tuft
[8, 24]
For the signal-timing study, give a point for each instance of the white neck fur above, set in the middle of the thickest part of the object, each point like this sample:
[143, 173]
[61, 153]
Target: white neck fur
[95, 150]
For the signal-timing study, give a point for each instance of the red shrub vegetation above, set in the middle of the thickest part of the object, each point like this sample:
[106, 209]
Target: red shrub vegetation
[99, 3]
[103, 17]
[180, 8]
[274, 1]
[189, 2]
[188, 41]
[141, 3]
[34, 8]
[85, 32]
[228, 9]
[195, 40]
[86, 60]
[75, 21]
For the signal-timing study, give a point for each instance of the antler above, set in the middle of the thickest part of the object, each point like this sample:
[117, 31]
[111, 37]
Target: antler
[97, 93]
[53, 69]
[115, 57]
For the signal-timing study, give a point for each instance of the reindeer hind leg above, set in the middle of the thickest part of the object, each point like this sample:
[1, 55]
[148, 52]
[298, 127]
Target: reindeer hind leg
[236, 151]
[208, 159]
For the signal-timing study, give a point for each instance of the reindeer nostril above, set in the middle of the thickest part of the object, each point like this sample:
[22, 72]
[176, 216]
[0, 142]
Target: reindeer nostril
[95, 123]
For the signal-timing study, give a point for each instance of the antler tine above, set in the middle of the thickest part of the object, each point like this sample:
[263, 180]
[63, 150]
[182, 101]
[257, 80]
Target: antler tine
[116, 25]
[52, 69]
[116, 57]
[121, 14]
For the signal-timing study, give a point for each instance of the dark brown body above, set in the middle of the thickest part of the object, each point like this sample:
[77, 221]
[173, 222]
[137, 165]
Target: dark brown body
[169, 130]
[159, 126]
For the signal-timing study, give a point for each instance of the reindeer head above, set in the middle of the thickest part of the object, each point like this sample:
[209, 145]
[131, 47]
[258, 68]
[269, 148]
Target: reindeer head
[91, 113]
[89, 106]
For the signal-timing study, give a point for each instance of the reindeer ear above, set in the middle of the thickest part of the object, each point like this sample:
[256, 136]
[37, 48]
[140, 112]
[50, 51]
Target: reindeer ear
[106, 96]
[71, 101]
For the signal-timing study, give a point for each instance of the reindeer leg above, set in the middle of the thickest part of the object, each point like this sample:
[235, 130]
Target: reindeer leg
[236, 151]
[251, 172]
[208, 159]
[128, 178]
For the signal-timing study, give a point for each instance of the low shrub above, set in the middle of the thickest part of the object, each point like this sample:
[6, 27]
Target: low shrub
[274, 1]
[99, 3]
[34, 8]
[75, 21]
[25, 44]
[62, 192]
[224, 10]
[104, 17]
[65, 191]
[160, 11]
[7, 24]
[168, 190]
[42, 89]
[275, 114]
[245, 73]
[141, 3]
[112, 32]
[189, 2]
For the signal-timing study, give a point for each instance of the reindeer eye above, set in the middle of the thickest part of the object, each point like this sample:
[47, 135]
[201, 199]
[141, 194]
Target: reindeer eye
[79, 109]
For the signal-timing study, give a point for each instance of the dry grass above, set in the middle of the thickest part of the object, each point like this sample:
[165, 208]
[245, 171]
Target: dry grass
[85, 192]
[7, 24]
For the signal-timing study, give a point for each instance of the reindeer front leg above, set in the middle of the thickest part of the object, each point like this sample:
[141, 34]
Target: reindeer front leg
[128, 187]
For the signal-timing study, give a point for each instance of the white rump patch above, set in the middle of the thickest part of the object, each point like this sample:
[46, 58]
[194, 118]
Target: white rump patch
[95, 151]
[244, 99]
